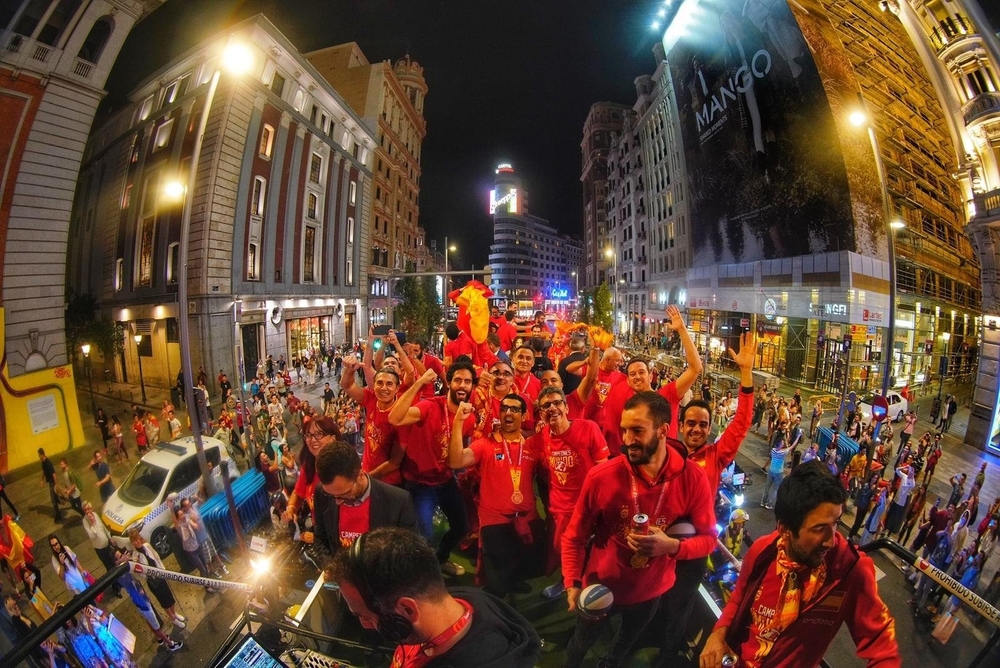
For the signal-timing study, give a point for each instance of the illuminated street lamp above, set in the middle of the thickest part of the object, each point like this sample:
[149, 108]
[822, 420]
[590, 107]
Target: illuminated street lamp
[447, 277]
[576, 294]
[236, 59]
[861, 118]
[85, 348]
[138, 356]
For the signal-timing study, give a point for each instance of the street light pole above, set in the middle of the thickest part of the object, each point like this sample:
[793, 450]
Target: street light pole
[610, 253]
[138, 356]
[576, 292]
[90, 382]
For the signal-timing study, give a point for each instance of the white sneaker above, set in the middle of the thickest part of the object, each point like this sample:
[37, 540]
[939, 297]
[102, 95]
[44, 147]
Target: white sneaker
[451, 568]
[174, 646]
[180, 617]
[179, 623]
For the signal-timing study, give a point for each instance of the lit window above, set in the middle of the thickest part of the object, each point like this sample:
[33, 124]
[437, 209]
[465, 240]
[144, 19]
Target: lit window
[147, 106]
[350, 230]
[127, 198]
[352, 197]
[266, 141]
[119, 274]
[163, 132]
[315, 168]
[173, 257]
[257, 197]
[312, 204]
[253, 263]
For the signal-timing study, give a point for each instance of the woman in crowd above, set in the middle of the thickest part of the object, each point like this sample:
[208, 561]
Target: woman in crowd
[67, 566]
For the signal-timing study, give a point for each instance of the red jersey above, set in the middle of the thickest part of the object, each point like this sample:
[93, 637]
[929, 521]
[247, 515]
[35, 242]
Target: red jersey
[605, 509]
[614, 406]
[463, 345]
[528, 387]
[578, 410]
[354, 521]
[506, 333]
[569, 457]
[497, 464]
[426, 460]
[717, 456]
[433, 363]
[487, 413]
[380, 436]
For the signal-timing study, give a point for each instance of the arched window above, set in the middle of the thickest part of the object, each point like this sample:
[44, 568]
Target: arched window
[94, 45]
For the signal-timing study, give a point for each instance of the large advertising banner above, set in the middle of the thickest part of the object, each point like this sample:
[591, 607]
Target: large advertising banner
[766, 173]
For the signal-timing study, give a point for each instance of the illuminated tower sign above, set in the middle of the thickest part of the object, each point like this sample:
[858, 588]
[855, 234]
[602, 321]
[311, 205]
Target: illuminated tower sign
[510, 199]
[505, 192]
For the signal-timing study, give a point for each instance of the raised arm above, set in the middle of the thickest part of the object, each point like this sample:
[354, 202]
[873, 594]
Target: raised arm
[367, 363]
[404, 359]
[694, 365]
[348, 380]
[586, 385]
[404, 412]
[460, 457]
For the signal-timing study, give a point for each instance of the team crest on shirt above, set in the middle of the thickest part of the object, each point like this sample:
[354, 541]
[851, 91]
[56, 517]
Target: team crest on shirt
[498, 456]
[375, 435]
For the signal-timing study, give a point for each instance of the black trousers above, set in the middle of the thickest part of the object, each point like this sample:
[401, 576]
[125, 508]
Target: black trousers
[678, 603]
[107, 557]
[506, 558]
[3, 497]
[634, 620]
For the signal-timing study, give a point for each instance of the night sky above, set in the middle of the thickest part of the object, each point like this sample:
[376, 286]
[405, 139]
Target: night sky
[508, 81]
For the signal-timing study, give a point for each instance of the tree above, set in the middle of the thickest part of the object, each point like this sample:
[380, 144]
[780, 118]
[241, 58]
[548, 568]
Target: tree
[603, 311]
[434, 312]
[585, 307]
[411, 311]
[85, 324]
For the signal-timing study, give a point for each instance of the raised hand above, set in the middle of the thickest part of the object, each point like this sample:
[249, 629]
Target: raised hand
[748, 351]
[465, 409]
[676, 323]
[428, 377]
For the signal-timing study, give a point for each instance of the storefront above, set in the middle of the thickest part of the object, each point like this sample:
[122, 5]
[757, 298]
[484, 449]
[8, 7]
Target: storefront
[309, 335]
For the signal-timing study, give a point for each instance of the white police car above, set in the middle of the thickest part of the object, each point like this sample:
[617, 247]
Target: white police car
[140, 501]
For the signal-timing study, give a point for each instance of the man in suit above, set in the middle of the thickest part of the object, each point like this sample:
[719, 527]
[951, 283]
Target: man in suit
[348, 502]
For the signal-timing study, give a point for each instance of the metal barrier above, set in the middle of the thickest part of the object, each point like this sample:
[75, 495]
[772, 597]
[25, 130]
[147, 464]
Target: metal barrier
[251, 506]
[846, 447]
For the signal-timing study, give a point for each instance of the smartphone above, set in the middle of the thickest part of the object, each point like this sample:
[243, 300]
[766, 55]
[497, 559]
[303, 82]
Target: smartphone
[401, 337]
[381, 330]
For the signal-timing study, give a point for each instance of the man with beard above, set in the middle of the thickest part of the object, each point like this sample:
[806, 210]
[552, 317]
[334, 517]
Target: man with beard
[423, 360]
[508, 517]
[654, 480]
[695, 428]
[492, 387]
[426, 474]
[391, 582]
[570, 450]
[579, 402]
[638, 380]
[526, 383]
[383, 452]
[800, 583]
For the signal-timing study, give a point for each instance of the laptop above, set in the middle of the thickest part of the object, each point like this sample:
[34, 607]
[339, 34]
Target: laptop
[248, 653]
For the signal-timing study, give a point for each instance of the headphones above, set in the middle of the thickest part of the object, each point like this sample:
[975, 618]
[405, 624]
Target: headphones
[391, 625]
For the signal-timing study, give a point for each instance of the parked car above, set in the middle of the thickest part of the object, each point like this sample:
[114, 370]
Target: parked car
[140, 501]
[898, 406]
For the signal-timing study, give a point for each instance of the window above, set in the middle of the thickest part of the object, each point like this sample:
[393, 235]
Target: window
[162, 138]
[127, 197]
[277, 84]
[350, 271]
[350, 230]
[253, 263]
[173, 258]
[96, 40]
[119, 274]
[266, 141]
[147, 106]
[174, 90]
[352, 197]
[257, 196]
[308, 254]
[312, 206]
[315, 168]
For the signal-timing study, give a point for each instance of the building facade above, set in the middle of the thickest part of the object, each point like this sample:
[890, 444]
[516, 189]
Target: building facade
[390, 98]
[963, 51]
[280, 217]
[55, 57]
[785, 240]
[534, 266]
[603, 121]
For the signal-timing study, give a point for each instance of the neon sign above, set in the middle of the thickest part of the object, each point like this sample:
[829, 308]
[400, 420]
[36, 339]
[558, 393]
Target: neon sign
[510, 199]
[560, 293]
[505, 167]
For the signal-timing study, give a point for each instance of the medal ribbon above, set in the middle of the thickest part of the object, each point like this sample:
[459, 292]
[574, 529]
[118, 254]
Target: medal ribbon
[635, 494]
[416, 656]
[515, 472]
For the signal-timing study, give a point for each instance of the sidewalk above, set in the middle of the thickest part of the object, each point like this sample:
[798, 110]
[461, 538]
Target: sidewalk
[31, 497]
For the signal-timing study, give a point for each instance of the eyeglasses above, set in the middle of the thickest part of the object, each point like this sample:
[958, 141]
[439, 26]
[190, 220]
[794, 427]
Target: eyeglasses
[504, 374]
[551, 404]
[314, 435]
[504, 408]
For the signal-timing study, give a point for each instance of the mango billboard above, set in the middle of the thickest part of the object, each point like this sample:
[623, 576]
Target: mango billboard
[772, 170]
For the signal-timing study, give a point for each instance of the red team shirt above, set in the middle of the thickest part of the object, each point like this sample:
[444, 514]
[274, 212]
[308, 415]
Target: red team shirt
[380, 436]
[528, 388]
[569, 457]
[496, 487]
[426, 460]
[614, 406]
[463, 345]
[354, 521]
[433, 363]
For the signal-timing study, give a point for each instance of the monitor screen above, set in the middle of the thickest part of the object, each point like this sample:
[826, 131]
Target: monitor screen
[249, 653]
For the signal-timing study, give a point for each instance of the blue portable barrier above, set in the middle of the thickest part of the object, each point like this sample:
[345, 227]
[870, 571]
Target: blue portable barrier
[846, 447]
[251, 507]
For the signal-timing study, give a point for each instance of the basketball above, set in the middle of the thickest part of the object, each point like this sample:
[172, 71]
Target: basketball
[681, 529]
[596, 599]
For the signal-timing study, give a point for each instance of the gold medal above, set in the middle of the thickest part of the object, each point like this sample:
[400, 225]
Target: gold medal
[639, 561]
[517, 497]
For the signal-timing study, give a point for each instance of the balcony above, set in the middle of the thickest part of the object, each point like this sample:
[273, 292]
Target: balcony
[25, 53]
[982, 108]
[987, 204]
[950, 31]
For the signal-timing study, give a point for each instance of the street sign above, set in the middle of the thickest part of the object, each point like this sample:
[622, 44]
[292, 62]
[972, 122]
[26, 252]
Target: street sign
[744, 322]
[880, 408]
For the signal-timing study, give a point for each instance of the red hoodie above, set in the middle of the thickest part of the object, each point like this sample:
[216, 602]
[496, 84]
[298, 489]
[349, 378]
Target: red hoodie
[849, 595]
[605, 509]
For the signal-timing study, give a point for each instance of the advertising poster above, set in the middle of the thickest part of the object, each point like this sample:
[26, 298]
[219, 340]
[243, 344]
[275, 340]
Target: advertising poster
[766, 173]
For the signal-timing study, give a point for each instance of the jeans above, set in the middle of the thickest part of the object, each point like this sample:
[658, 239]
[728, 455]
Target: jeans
[634, 620]
[771, 487]
[55, 502]
[446, 496]
[194, 556]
